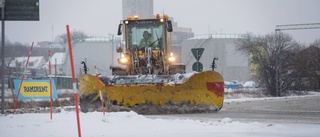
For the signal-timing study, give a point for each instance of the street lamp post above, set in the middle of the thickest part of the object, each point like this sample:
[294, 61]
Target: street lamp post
[112, 47]
[2, 53]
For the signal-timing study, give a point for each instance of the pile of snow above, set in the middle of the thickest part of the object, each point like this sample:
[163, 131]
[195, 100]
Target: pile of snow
[235, 86]
[123, 124]
[243, 97]
[249, 84]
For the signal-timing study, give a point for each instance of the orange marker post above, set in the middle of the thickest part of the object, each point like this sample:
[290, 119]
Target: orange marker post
[99, 86]
[74, 81]
[50, 84]
[24, 72]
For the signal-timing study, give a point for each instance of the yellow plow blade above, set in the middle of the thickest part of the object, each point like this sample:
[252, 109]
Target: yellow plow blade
[204, 89]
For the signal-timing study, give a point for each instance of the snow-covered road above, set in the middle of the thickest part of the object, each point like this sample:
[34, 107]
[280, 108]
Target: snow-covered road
[299, 110]
[280, 117]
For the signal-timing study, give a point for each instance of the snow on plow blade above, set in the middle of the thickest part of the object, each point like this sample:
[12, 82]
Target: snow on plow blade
[201, 92]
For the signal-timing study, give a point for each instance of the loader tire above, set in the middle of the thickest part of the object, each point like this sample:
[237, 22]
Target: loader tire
[87, 105]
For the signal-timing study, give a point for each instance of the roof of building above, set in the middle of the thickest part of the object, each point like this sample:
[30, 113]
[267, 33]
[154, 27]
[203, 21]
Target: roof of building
[217, 36]
[60, 56]
[36, 61]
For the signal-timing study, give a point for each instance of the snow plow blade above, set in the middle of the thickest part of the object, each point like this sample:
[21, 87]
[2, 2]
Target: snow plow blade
[202, 92]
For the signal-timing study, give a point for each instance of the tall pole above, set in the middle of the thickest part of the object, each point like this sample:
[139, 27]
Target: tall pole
[112, 48]
[24, 72]
[50, 84]
[279, 68]
[99, 87]
[278, 64]
[55, 70]
[73, 81]
[2, 59]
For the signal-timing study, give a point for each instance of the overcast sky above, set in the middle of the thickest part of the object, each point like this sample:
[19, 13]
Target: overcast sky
[101, 17]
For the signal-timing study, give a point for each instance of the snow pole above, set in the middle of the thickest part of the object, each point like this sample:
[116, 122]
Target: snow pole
[50, 84]
[24, 72]
[73, 81]
[99, 86]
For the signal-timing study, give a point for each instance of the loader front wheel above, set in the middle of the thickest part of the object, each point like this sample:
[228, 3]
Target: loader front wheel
[88, 105]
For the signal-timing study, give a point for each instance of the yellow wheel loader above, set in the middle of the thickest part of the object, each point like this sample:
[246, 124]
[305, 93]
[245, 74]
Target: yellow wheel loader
[148, 80]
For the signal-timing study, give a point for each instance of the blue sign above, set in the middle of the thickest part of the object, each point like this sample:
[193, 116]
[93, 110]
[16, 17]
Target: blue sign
[35, 89]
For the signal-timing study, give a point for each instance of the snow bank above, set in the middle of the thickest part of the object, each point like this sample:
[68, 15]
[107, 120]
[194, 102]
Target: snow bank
[245, 98]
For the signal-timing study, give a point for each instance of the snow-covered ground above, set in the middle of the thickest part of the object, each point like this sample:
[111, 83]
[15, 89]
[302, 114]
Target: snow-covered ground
[124, 124]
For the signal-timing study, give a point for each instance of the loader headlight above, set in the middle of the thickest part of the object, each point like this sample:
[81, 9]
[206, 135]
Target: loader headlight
[123, 59]
[161, 20]
[171, 58]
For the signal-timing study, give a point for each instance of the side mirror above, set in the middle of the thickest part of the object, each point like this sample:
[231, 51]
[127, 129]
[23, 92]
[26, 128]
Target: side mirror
[170, 29]
[119, 29]
[119, 50]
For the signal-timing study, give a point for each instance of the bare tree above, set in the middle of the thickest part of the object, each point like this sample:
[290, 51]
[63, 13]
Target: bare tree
[274, 55]
[310, 67]
[12, 50]
[316, 67]
[75, 36]
[317, 57]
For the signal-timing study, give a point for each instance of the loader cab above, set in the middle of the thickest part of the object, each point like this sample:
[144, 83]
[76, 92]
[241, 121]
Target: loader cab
[146, 48]
[134, 30]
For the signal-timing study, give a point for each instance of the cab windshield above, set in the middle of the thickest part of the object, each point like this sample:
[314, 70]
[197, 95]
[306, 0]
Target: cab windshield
[145, 33]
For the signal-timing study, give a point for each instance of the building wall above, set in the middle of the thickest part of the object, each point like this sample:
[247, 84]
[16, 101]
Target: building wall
[60, 69]
[180, 34]
[176, 50]
[142, 8]
[94, 53]
[230, 64]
